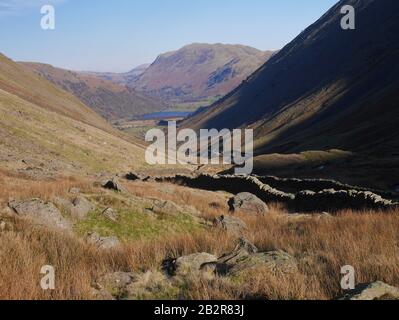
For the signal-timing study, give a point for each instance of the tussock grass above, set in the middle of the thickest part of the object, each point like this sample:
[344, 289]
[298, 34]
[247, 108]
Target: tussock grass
[368, 240]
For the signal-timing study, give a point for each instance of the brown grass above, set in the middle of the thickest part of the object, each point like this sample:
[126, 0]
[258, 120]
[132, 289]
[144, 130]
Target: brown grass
[369, 241]
[19, 186]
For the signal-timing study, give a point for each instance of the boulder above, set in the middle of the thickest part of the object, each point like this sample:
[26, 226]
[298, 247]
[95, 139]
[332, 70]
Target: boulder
[114, 284]
[132, 176]
[245, 257]
[374, 291]
[152, 285]
[187, 264]
[165, 207]
[113, 184]
[248, 203]
[110, 214]
[129, 286]
[81, 207]
[275, 261]
[243, 249]
[105, 243]
[231, 225]
[43, 213]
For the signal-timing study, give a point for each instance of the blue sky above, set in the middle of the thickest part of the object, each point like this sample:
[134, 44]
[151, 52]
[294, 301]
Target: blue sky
[117, 35]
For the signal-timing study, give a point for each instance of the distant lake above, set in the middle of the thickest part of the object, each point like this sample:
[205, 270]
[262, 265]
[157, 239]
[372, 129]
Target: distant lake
[165, 115]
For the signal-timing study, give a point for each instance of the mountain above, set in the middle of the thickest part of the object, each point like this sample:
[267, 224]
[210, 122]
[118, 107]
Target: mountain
[45, 131]
[199, 72]
[329, 88]
[109, 99]
[121, 78]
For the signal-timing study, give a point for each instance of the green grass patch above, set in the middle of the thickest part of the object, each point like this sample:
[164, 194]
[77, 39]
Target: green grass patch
[136, 225]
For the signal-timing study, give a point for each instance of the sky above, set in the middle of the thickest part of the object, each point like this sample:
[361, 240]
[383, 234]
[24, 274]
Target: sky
[117, 35]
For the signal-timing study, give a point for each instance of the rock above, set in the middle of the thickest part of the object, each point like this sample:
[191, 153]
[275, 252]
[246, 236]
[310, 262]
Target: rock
[110, 214]
[245, 257]
[231, 225]
[81, 207]
[115, 284]
[129, 286]
[113, 184]
[243, 249]
[102, 242]
[275, 261]
[43, 213]
[374, 291]
[152, 285]
[248, 203]
[167, 207]
[133, 176]
[187, 264]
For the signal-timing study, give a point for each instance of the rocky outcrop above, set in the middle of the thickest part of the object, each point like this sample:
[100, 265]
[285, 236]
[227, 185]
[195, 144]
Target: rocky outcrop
[104, 243]
[133, 286]
[42, 213]
[245, 257]
[248, 203]
[114, 284]
[81, 207]
[187, 265]
[374, 291]
[113, 184]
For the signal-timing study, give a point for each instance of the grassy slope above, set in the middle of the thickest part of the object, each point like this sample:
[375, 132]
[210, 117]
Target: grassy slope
[20, 81]
[56, 131]
[28, 131]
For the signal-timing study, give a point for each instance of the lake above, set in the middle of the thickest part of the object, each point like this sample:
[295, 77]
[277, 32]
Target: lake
[165, 115]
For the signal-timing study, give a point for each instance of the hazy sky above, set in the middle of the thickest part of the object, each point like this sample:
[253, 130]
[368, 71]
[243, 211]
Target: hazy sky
[117, 35]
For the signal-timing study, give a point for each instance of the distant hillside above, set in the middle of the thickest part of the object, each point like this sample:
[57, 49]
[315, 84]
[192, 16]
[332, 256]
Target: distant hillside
[199, 72]
[46, 131]
[328, 88]
[110, 100]
[121, 78]
[20, 81]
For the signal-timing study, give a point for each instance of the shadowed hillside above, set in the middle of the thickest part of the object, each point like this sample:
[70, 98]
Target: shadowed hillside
[329, 88]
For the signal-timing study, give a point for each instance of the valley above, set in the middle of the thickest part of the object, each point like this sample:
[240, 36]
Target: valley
[78, 193]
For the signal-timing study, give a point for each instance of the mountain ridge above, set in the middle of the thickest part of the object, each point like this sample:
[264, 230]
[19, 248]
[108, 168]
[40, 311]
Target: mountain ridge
[199, 71]
[299, 96]
[111, 100]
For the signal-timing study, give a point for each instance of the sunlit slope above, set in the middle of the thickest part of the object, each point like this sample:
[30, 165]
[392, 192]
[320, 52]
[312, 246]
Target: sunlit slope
[22, 82]
[57, 144]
